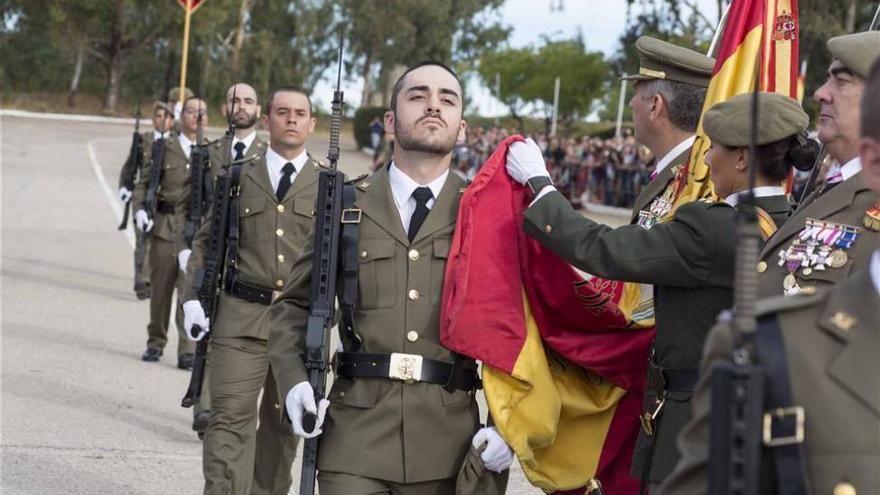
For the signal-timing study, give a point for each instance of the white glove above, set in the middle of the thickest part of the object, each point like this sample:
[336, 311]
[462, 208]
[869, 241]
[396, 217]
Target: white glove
[124, 194]
[300, 400]
[143, 222]
[525, 161]
[194, 314]
[183, 258]
[497, 457]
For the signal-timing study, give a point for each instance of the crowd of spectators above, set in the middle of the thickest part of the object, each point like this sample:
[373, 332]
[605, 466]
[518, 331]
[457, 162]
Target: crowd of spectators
[609, 172]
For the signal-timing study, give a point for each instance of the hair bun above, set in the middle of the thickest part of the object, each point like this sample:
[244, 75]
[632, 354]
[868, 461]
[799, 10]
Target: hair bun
[802, 153]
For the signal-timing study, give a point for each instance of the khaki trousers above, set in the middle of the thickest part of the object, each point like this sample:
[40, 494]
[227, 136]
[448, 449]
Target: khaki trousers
[238, 456]
[164, 277]
[332, 483]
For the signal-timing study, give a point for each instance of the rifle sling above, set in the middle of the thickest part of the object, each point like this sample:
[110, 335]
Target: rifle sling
[234, 232]
[788, 458]
[348, 285]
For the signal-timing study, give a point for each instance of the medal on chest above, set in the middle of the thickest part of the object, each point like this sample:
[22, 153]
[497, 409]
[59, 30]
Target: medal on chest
[656, 211]
[872, 218]
[819, 246]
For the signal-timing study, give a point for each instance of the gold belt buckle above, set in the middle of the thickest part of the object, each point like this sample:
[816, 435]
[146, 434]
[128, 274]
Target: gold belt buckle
[647, 419]
[780, 413]
[405, 367]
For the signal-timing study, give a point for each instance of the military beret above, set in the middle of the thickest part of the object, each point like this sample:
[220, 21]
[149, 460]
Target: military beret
[174, 94]
[730, 122]
[662, 60]
[856, 51]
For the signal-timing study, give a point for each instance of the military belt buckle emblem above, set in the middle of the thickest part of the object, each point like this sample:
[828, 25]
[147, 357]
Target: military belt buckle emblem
[405, 367]
[795, 437]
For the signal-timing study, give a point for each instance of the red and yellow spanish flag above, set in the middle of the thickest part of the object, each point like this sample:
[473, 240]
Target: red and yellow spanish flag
[758, 35]
[563, 366]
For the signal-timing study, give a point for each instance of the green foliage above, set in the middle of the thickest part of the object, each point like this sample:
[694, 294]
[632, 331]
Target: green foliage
[363, 117]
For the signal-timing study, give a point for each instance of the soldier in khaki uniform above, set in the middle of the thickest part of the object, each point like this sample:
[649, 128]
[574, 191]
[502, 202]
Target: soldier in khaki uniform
[823, 242]
[831, 341]
[276, 210]
[689, 260]
[669, 92]
[384, 434]
[166, 232]
[162, 122]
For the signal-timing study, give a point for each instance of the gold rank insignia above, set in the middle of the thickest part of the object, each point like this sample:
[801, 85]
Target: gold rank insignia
[872, 218]
[843, 321]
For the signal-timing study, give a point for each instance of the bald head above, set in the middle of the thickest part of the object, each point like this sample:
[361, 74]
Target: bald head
[242, 105]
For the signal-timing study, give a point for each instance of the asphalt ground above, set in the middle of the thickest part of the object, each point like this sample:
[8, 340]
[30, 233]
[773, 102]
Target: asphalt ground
[80, 412]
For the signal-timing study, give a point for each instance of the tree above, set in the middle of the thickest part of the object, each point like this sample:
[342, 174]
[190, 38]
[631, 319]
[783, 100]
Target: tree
[513, 66]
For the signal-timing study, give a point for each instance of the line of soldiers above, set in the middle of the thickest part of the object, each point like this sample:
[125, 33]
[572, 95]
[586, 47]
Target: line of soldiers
[381, 434]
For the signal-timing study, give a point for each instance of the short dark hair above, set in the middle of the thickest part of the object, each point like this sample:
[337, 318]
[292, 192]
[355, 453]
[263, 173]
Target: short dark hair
[684, 102]
[287, 89]
[398, 85]
[871, 103]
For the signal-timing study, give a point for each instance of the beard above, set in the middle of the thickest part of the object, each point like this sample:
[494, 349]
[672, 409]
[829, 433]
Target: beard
[244, 120]
[409, 139]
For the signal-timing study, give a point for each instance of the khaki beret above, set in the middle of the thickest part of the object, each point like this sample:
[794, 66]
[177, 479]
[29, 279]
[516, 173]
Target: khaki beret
[730, 122]
[174, 94]
[662, 60]
[856, 51]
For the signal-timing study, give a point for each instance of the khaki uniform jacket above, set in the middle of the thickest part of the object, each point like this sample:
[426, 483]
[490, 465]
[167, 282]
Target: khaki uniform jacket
[655, 188]
[832, 344]
[126, 167]
[846, 203]
[272, 235]
[174, 187]
[778, 207]
[215, 151]
[690, 262]
[379, 428]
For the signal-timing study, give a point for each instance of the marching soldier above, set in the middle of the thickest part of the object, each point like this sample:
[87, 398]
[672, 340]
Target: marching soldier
[276, 209]
[162, 122]
[823, 242]
[390, 429]
[166, 232]
[689, 260]
[669, 92]
[827, 362]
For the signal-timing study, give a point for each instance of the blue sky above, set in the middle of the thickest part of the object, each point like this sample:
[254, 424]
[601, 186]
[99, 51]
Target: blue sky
[600, 21]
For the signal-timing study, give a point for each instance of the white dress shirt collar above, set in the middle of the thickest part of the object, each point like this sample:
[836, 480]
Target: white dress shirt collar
[185, 143]
[674, 152]
[247, 140]
[851, 168]
[875, 270]
[275, 163]
[402, 187]
[760, 192]
[158, 135]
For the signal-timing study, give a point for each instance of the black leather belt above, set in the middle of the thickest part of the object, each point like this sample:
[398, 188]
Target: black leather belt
[409, 368]
[164, 208]
[251, 293]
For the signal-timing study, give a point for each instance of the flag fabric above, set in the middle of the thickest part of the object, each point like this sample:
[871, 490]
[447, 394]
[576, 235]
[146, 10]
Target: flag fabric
[190, 5]
[759, 35]
[563, 364]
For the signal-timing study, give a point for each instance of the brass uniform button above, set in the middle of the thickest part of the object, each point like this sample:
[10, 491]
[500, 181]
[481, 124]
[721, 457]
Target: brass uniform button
[279, 232]
[413, 294]
[281, 258]
[548, 228]
[412, 336]
[844, 489]
[762, 267]
[279, 283]
[413, 255]
[280, 208]
[363, 254]
[247, 210]
[807, 271]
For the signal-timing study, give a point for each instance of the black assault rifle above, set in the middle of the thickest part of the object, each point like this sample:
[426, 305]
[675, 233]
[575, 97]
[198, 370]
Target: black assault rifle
[200, 186]
[325, 271]
[132, 164]
[209, 278]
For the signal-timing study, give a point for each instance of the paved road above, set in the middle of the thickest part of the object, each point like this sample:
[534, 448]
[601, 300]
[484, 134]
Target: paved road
[81, 414]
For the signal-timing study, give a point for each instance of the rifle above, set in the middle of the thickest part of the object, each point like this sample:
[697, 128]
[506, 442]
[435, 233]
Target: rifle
[209, 278]
[325, 270]
[737, 403]
[132, 164]
[157, 153]
[200, 185]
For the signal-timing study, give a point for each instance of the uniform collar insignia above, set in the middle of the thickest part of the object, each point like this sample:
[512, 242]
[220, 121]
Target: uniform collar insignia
[843, 321]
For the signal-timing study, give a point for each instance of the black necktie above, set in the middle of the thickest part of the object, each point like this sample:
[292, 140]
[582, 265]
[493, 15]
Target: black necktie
[422, 195]
[284, 183]
[239, 151]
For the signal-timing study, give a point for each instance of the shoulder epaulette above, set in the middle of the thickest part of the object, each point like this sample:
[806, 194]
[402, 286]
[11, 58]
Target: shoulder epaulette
[356, 179]
[781, 304]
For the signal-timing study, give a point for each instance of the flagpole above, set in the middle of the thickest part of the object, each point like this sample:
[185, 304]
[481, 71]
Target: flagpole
[876, 22]
[713, 47]
[185, 54]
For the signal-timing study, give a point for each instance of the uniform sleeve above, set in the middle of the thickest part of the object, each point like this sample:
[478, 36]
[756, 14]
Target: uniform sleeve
[289, 316]
[679, 253]
[143, 181]
[691, 474]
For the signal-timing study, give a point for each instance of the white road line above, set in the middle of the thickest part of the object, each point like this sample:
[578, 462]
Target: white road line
[109, 192]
